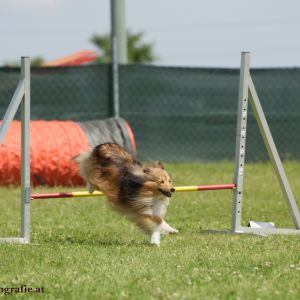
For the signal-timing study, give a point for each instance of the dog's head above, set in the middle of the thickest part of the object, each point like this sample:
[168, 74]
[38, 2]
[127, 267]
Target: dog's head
[162, 179]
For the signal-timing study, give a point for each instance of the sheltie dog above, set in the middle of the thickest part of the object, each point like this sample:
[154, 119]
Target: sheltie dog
[139, 192]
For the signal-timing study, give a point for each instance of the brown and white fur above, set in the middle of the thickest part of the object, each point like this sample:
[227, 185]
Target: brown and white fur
[140, 193]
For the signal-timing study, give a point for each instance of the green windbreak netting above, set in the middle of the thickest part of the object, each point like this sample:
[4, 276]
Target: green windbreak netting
[177, 114]
[76, 93]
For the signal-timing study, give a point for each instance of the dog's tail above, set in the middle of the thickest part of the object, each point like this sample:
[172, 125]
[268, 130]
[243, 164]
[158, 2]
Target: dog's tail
[110, 153]
[84, 163]
[102, 167]
[82, 157]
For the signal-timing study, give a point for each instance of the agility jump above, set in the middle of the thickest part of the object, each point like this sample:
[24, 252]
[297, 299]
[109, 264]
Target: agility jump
[247, 91]
[194, 188]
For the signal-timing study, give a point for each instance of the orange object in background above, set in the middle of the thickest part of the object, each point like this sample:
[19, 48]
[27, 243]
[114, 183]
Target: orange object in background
[53, 144]
[75, 59]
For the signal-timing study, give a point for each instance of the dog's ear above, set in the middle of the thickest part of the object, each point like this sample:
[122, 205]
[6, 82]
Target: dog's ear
[158, 164]
[147, 170]
[149, 176]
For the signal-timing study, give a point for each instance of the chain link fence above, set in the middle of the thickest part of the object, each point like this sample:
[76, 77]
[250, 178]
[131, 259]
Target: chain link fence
[177, 114]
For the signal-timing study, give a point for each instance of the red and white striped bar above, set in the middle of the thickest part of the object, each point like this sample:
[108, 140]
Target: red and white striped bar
[212, 187]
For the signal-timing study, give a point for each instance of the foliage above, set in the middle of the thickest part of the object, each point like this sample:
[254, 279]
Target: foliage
[35, 61]
[138, 51]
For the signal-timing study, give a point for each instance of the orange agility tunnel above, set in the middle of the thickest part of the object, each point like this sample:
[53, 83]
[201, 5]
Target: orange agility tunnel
[54, 144]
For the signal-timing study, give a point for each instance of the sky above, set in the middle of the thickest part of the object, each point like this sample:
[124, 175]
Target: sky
[194, 33]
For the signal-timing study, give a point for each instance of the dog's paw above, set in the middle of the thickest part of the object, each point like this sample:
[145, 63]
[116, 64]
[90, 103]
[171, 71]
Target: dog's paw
[155, 239]
[91, 188]
[170, 231]
[173, 231]
[155, 244]
[167, 229]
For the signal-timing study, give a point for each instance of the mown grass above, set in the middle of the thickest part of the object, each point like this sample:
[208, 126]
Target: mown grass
[81, 250]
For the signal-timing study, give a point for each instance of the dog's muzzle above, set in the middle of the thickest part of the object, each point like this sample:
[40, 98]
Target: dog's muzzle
[169, 193]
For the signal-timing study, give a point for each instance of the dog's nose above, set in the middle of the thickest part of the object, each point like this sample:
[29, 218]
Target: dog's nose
[172, 190]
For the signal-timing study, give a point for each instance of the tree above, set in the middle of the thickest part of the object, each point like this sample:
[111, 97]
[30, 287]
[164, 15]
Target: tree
[138, 51]
[36, 61]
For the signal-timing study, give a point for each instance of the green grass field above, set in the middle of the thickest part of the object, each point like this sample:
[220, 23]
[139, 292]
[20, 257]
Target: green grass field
[81, 250]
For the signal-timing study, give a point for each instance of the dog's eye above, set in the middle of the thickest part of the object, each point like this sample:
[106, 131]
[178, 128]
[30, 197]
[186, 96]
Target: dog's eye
[162, 182]
[169, 181]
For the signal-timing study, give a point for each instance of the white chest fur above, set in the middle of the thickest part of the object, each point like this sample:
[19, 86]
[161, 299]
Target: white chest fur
[159, 207]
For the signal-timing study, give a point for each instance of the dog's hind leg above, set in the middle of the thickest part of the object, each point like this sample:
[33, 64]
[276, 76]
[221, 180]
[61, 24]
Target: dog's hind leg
[91, 188]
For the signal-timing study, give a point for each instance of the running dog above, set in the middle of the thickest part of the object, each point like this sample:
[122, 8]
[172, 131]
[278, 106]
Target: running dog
[139, 192]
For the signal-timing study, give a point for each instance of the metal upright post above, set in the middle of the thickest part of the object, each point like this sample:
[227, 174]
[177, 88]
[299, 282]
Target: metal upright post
[119, 24]
[25, 155]
[114, 59]
[21, 97]
[115, 79]
[240, 142]
[247, 89]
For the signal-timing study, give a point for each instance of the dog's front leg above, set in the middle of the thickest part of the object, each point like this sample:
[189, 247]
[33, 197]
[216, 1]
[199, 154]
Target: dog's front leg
[167, 229]
[162, 228]
[152, 226]
[155, 238]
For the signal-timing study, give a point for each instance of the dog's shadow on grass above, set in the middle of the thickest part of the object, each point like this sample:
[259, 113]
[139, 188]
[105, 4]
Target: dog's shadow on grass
[97, 242]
